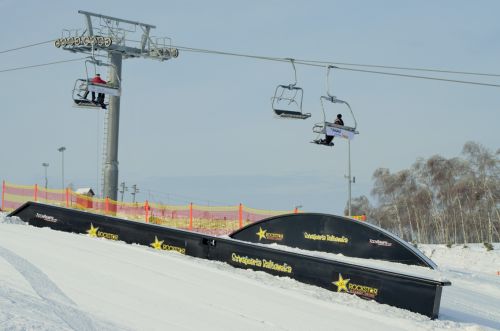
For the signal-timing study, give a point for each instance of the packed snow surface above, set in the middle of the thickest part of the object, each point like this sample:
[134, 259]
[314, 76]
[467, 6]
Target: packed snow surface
[51, 280]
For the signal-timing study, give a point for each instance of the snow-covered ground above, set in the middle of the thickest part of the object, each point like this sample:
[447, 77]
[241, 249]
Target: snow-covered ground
[52, 280]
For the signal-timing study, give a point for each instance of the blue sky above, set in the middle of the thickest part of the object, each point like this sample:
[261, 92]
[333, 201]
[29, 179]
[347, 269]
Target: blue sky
[200, 127]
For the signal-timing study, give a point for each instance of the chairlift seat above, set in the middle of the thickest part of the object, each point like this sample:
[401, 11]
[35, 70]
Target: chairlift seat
[291, 114]
[287, 102]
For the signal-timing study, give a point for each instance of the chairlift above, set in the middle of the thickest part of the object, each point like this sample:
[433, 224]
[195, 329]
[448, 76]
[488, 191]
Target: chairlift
[80, 90]
[84, 86]
[287, 100]
[329, 128]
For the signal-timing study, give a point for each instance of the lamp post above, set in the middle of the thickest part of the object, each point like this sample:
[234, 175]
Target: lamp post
[45, 165]
[62, 149]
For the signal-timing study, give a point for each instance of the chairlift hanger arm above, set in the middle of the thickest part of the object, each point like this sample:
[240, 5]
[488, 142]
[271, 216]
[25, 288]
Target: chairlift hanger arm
[328, 80]
[292, 61]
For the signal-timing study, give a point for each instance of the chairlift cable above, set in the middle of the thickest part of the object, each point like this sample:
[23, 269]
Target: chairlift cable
[41, 65]
[421, 77]
[324, 64]
[26, 46]
[302, 62]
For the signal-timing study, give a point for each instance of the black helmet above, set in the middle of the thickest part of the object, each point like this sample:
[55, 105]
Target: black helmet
[339, 115]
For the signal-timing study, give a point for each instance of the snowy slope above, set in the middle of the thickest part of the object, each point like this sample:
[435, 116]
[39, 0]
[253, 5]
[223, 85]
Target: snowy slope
[52, 280]
[474, 272]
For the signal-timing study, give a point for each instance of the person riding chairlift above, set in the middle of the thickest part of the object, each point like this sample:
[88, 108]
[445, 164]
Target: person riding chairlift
[328, 139]
[100, 96]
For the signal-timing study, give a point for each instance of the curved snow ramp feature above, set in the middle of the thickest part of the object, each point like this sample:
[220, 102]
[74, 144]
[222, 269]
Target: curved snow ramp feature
[420, 294]
[333, 234]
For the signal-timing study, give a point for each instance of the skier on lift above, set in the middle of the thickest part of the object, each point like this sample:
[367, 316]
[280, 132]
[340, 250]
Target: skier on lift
[328, 139]
[100, 96]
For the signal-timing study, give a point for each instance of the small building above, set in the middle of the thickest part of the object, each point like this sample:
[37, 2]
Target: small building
[84, 197]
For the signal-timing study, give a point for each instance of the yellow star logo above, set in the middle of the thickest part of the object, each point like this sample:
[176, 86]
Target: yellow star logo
[92, 231]
[261, 233]
[341, 284]
[157, 244]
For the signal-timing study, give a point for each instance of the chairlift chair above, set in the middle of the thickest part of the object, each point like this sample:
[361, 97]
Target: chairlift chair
[329, 128]
[85, 85]
[287, 100]
[79, 89]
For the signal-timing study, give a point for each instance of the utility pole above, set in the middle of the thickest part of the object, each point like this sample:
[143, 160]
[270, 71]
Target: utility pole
[119, 39]
[350, 179]
[123, 189]
[135, 190]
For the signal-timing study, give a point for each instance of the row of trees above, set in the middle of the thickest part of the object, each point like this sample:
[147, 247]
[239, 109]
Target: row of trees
[439, 200]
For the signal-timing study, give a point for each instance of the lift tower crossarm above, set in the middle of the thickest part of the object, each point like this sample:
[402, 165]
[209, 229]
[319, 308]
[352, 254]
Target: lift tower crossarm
[89, 14]
[111, 34]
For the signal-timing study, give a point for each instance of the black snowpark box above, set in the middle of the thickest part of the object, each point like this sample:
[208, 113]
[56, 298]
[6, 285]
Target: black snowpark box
[417, 294]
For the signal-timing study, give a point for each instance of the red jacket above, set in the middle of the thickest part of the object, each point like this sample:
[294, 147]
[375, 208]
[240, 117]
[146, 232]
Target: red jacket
[98, 80]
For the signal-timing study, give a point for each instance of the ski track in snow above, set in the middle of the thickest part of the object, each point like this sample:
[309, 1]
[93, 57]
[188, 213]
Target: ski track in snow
[58, 302]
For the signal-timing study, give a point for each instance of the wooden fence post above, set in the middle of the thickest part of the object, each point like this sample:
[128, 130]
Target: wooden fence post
[106, 205]
[146, 209]
[67, 197]
[36, 192]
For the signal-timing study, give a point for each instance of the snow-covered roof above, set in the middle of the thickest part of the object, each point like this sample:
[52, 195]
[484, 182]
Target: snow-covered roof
[85, 191]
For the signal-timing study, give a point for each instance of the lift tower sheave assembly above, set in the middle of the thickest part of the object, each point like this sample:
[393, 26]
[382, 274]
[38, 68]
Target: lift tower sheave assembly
[114, 39]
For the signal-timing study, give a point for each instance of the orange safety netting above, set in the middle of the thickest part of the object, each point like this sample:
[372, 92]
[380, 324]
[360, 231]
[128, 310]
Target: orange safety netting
[215, 220]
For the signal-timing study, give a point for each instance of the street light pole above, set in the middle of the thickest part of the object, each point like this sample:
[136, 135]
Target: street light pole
[62, 149]
[46, 165]
[349, 178]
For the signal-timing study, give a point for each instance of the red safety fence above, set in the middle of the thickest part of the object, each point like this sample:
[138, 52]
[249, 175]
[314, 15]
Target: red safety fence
[215, 220]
